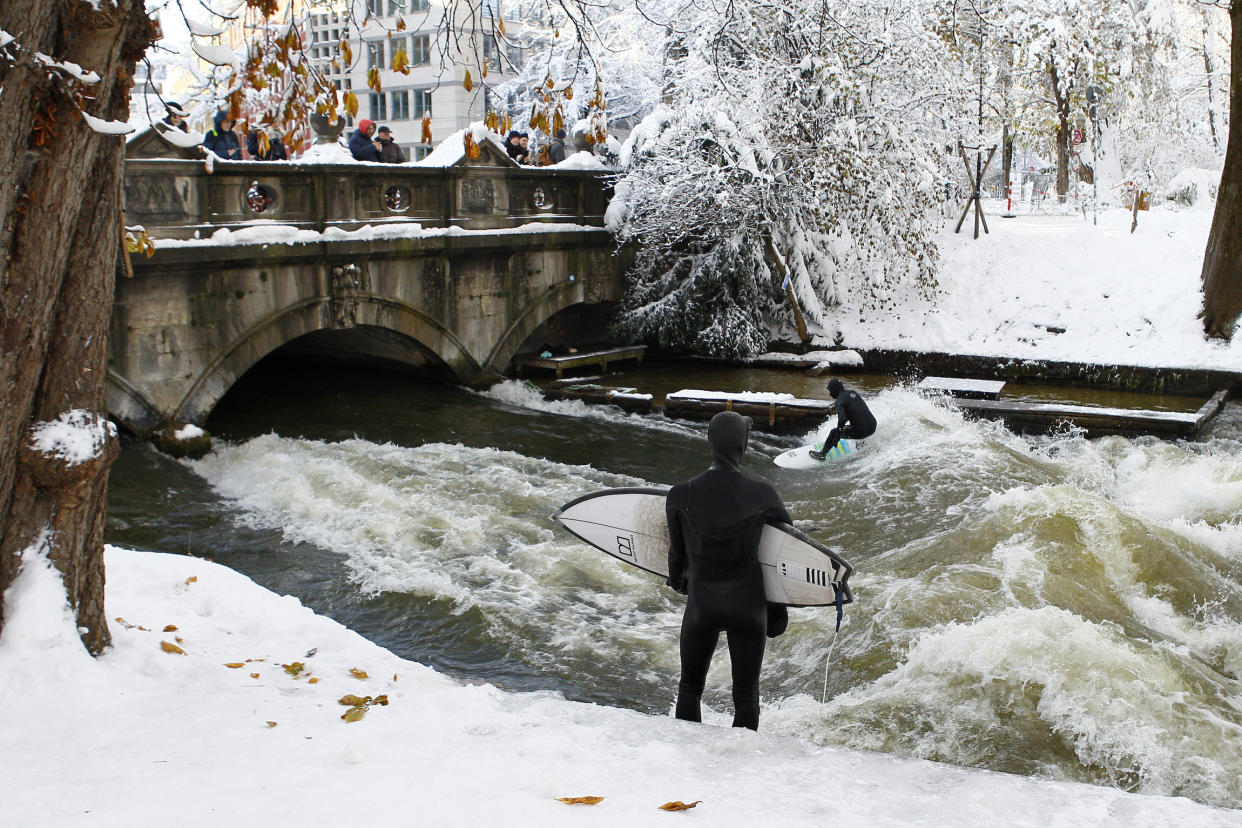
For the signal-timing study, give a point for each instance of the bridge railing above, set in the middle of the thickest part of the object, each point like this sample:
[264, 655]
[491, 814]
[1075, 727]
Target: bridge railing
[182, 199]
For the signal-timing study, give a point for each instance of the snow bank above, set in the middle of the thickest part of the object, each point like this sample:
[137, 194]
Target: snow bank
[218, 704]
[1195, 187]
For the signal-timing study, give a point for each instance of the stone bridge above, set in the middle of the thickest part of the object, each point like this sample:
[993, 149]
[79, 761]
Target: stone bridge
[452, 270]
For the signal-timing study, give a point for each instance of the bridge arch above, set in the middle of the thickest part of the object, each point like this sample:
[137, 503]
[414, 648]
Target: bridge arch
[315, 315]
[555, 299]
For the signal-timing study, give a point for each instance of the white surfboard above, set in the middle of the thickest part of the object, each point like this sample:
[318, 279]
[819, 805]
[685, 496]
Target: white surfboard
[800, 458]
[630, 525]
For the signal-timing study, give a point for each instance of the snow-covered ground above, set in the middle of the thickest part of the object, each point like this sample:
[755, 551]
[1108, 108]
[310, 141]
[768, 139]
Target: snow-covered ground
[1060, 287]
[213, 729]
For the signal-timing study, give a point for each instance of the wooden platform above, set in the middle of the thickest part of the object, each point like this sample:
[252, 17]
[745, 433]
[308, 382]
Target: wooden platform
[774, 412]
[1097, 422]
[962, 388]
[560, 363]
[625, 398]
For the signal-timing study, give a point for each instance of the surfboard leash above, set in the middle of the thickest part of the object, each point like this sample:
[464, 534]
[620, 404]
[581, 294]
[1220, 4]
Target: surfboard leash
[833, 645]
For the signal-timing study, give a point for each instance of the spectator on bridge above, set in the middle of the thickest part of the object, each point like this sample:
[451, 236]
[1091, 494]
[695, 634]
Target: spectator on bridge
[175, 117]
[275, 146]
[524, 152]
[556, 150]
[222, 140]
[390, 151]
[513, 146]
[362, 144]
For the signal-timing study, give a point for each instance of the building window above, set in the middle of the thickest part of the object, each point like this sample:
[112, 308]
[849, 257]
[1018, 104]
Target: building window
[422, 102]
[416, 5]
[375, 55]
[375, 7]
[420, 50]
[395, 7]
[401, 105]
[491, 54]
[379, 107]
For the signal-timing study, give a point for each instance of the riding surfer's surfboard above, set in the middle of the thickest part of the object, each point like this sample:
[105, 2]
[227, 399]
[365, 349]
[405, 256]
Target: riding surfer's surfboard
[800, 458]
[630, 525]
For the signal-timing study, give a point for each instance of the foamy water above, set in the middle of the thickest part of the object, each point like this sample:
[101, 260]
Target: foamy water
[1047, 606]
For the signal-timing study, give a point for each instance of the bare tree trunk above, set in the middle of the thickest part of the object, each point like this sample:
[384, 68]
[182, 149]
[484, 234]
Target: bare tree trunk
[1222, 261]
[1061, 102]
[59, 241]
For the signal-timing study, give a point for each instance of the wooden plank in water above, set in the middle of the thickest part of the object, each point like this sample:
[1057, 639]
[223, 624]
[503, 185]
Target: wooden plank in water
[560, 363]
[974, 389]
[771, 412]
[1040, 417]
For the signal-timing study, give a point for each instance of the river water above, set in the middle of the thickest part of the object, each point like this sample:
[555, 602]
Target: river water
[1053, 607]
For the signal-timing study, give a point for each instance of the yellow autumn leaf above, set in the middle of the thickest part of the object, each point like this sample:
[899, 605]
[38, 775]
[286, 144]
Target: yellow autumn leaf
[394, 676]
[381, 700]
[373, 79]
[350, 700]
[233, 665]
[400, 62]
[351, 104]
[312, 681]
[294, 668]
[580, 800]
[271, 724]
[254, 675]
[191, 579]
[347, 52]
[169, 647]
[356, 673]
[354, 714]
[401, 24]
[500, 24]
[678, 805]
[468, 82]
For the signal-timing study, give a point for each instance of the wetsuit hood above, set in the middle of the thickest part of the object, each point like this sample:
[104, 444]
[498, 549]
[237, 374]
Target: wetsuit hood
[835, 387]
[727, 434]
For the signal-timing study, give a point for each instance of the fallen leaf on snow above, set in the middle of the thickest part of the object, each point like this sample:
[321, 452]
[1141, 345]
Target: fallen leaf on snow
[356, 673]
[191, 579]
[169, 647]
[171, 628]
[354, 714]
[254, 675]
[271, 724]
[678, 805]
[580, 800]
[233, 665]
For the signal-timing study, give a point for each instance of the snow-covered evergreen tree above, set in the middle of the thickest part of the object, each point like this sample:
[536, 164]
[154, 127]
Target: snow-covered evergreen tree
[798, 156]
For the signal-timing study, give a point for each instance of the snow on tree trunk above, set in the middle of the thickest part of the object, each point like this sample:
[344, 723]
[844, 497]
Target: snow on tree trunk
[1222, 262]
[59, 243]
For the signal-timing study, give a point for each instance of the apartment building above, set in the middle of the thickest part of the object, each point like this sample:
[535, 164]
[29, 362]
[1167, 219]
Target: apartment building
[435, 82]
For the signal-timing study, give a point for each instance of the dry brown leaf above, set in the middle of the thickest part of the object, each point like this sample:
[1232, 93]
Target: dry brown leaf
[468, 81]
[382, 701]
[178, 639]
[678, 805]
[353, 701]
[191, 579]
[354, 714]
[254, 675]
[169, 647]
[271, 724]
[580, 800]
[294, 668]
[356, 673]
[171, 628]
[233, 665]
[312, 681]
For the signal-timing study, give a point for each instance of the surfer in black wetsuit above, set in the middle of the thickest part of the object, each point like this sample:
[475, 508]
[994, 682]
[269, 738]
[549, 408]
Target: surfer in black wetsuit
[854, 420]
[714, 524]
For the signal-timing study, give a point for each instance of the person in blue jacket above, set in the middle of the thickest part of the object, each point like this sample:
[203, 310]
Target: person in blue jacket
[222, 140]
[362, 144]
[714, 524]
[854, 419]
